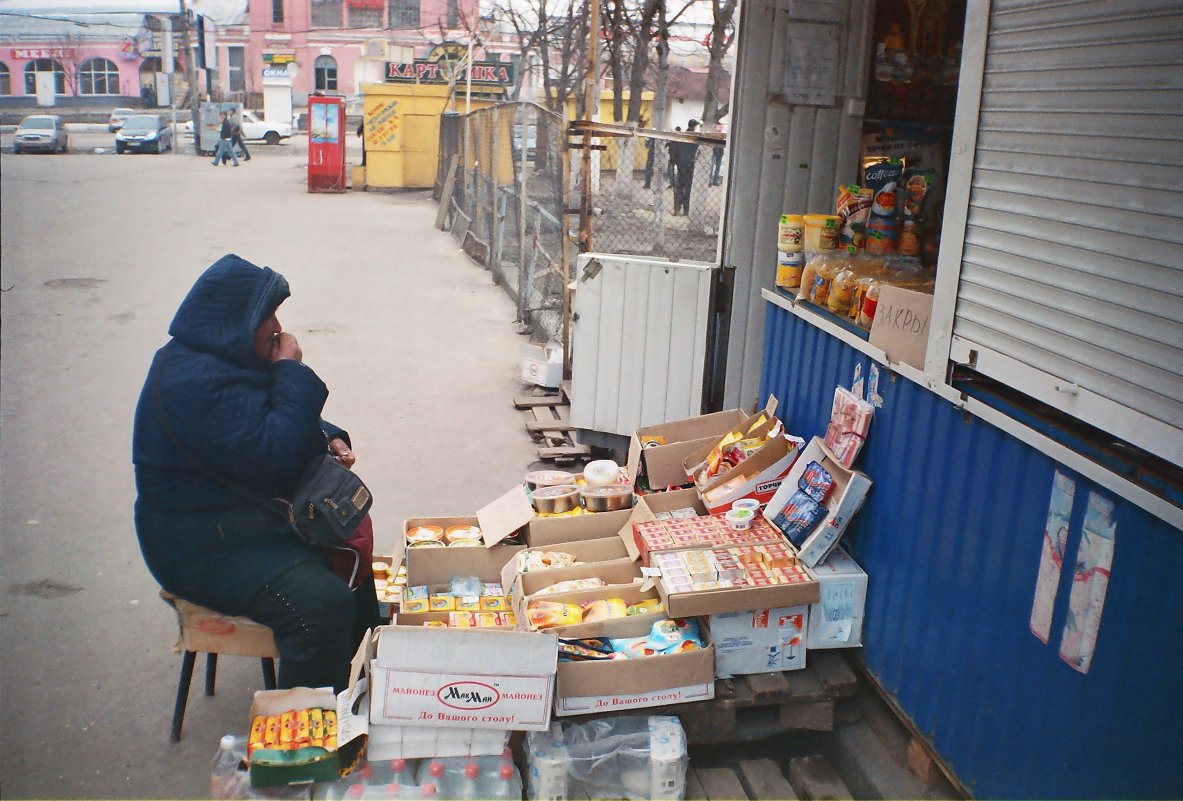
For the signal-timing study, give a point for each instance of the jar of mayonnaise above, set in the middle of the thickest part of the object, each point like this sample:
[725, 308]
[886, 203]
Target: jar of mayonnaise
[791, 233]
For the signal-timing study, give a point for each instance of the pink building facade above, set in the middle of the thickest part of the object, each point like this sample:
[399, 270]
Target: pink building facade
[334, 45]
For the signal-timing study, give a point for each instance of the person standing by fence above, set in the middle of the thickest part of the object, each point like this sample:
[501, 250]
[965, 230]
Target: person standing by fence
[684, 153]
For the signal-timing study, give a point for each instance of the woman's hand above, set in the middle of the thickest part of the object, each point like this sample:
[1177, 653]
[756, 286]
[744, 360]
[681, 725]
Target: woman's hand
[286, 347]
[342, 453]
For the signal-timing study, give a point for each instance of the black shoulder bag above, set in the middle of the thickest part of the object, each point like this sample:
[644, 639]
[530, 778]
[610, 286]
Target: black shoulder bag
[327, 505]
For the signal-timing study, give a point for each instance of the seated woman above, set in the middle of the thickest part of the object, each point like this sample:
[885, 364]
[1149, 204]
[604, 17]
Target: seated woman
[229, 416]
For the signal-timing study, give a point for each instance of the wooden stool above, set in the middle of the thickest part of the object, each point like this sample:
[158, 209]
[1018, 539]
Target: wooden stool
[211, 633]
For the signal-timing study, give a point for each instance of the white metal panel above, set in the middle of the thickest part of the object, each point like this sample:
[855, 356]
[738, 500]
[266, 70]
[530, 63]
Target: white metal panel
[1071, 283]
[787, 158]
[639, 336]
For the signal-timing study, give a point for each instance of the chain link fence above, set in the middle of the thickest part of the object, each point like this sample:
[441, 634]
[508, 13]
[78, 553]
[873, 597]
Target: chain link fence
[506, 205]
[668, 201]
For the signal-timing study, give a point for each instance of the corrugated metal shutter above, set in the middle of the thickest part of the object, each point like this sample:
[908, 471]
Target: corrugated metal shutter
[1073, 257]
[639, 341]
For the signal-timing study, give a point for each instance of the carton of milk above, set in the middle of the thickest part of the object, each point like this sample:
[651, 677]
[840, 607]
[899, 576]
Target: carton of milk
[836, 621]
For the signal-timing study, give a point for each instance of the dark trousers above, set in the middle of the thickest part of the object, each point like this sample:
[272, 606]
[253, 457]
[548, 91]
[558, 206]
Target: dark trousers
[313, 614]
[685, 179]
[236, 141]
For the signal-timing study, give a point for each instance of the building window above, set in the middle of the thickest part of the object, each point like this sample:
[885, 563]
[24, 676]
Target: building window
[5, 80]
[326, 13]
[235, 69]
[277, 11]
[365, 13]
[98, 76]
[326, 74]
[45, 65]
[404, 13]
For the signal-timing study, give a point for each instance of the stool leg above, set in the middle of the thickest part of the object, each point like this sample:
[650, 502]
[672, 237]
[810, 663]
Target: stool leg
[182, 695]
[211, 672]
[268, 673]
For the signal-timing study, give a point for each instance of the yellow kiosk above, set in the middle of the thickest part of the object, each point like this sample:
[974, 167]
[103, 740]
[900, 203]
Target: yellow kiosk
[402, 115]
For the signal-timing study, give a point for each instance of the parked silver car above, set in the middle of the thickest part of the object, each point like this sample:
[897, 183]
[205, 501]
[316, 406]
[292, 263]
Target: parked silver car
[145, 133]
[40, 132]
[117, 118]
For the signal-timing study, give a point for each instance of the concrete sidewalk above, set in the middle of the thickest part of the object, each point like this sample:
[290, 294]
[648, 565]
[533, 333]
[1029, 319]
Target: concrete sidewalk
[414, 341]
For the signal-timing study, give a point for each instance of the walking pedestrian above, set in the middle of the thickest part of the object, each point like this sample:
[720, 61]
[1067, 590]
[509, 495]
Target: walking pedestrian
[224, 146]
[236, 137]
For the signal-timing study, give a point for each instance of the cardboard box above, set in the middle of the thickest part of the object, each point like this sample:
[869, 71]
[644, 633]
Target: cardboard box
[663, 463]
[737, 599]
[323, 766]
[617, 627]
[758, 476]
[547, 531]
[711, 531]
[587, 552]
[543, 364]
[498, 520]
[615, 573]
[649, 506]
[412, 742]
[461, 678]
[846, 498]
[836, 621]
[759, 641]
[593, 687]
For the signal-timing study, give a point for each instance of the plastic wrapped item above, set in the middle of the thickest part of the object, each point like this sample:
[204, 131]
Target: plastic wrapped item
[884, 179]
[841, 291]
[573, 585]
[799, 517]
[544, 560]
[465, 587]
[228, 778]
[549, 614]
[854, 208]
[633, 756]
[604, 609]
[850, 420]
[870, 303]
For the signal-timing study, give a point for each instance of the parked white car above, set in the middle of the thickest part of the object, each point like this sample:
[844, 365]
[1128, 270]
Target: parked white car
[270, 132]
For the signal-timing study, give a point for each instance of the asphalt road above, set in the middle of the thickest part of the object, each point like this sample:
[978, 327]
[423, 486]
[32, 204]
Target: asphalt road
[91, 139]
[415, 343]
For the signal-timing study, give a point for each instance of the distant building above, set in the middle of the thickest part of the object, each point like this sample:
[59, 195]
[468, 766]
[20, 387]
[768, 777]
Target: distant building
[93, 60]
[332, 46]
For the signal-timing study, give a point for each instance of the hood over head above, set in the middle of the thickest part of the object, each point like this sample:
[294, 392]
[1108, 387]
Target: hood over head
[226, 305]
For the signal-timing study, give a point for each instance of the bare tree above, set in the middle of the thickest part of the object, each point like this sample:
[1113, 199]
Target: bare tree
[720, 38]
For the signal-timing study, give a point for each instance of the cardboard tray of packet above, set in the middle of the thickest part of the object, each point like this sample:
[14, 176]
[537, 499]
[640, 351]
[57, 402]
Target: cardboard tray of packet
[616, 573]
[498, 520]
[845, 499]
[706, 602]
[605, 550]
[757, 476]
[596, 686]
[460, 678]
[318, 765]
[662, 464]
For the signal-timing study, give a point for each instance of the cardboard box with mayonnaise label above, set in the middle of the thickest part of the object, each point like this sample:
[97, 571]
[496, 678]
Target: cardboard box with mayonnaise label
[599, 686]
[461, 678]
[836, 621]
[759, 641]
[845, 499]
[658, 450]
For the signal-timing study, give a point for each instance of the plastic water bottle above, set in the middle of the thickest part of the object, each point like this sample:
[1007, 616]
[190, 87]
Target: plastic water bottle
[228, 777]
[467, 787]
[401, 772]
[507, 785]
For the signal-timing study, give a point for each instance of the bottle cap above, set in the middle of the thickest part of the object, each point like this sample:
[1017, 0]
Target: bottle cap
[506, 772]
[228, 742]
[471, 770]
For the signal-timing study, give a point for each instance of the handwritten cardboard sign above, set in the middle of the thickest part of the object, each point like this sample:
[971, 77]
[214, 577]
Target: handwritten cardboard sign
[901, 326]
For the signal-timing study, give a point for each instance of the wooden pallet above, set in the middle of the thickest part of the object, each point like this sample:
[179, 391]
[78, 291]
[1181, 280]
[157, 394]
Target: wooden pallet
[763, 705]
[549, 424]
[810, 777]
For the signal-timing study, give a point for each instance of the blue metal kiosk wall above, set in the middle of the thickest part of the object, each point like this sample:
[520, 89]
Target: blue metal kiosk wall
[951, 537]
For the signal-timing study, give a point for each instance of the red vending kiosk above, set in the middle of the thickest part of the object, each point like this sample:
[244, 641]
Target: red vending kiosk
[326, 144]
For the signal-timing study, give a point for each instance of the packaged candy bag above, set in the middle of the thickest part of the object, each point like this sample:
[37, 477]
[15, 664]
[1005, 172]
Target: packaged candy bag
[799, 517]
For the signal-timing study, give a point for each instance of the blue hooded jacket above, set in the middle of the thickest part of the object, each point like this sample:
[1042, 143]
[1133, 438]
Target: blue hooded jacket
[254, 423]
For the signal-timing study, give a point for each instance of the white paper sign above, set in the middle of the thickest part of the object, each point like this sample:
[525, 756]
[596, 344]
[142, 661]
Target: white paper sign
[811, 73]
